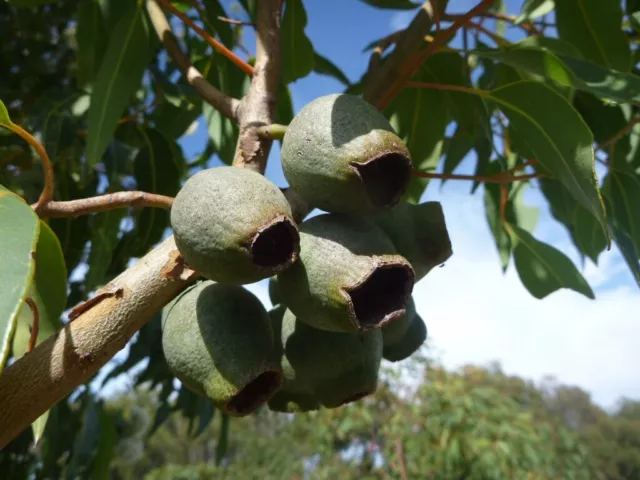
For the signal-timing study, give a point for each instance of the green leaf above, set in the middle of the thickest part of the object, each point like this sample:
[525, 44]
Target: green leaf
[284, 113]
[392, 4]
[629, 252]
[29, 3]
[106, 446]
[91, 37]
[568, 71]
[223, 439]
[532, 9]
[588, 234]
[594, 27]
[156, 170]
[21, 228]
[561, 142]
[324, 66]
[86, 441]
[419, 116]
[128, 53]
[297, 50]
[544, 269]
[105, 227]
[223, 29]
[468, 110]
[4, 115]
[604, 120]
[623, 192]
[516, 213]
[459, 146]
[49, 292]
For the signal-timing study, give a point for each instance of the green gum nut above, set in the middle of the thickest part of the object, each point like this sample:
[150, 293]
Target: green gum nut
[410, 342]
[218, 341]
[419, 233]
[342, 155]
[294, 395]
[393, 332]
[348, 277]
[234, 226]
[338, 368]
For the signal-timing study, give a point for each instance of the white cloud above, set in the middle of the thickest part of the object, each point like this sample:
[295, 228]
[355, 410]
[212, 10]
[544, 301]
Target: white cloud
[475, 314]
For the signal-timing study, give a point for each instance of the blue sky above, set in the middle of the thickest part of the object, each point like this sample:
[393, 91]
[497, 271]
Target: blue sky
[474, 313]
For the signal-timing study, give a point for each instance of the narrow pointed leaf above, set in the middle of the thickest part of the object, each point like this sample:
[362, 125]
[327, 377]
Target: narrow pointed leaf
[543, 269]
[128, 52]
[106, 446]
[17, 256]
[594, 27]
[392, 4]
[324, 66]
[91, 36]
[297, 50]
[623, 192]
[532, 9]
[4, 115]
[419, 116]
[561, 141]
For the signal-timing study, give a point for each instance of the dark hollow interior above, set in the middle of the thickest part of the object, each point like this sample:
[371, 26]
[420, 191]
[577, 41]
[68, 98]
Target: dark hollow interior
[255, 393]
[385, 178]
[383, 293]
[275, 245]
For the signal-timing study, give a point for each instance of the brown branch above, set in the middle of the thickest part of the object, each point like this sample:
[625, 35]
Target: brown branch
[103, 203]
[408, 41]
[443, 86]
[258, 107]
[410, 65]
[401, 460]
[527, 26]
[49, 179]
[241, 64]
[54, 368]
[226, 105]
[501, 42]
[33, 339]
[614, 139]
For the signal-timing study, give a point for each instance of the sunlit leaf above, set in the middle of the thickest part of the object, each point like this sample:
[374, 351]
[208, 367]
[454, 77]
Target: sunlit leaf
[561, 141]
[18, 240]
[4, 114]
[532, 9]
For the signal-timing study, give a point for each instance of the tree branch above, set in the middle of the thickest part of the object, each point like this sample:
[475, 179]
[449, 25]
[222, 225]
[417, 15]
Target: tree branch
[258, 107]
[103, 203]
[226, 105]
[52, 370]
[408, 42]
[241, 64]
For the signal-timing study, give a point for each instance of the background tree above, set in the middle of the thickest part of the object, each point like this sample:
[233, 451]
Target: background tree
[97, 97]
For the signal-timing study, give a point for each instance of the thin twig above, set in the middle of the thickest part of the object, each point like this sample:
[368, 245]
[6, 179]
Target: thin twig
[618, 135]
[102, 203]
[527, 26]
[401, 460]
[241, 64]
[443, 86]
[236, 22]
[408, 42]
[413, 63]
[275, 131]
[258, 107]
[498, 178]
[226, 105]
[501, 42]
[49, 179]
[33, 339]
